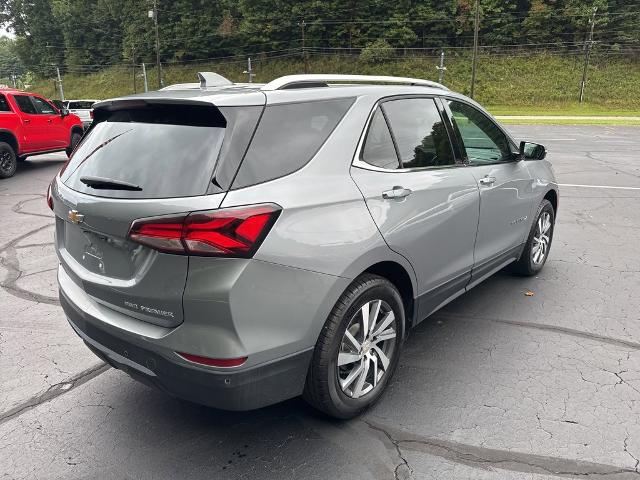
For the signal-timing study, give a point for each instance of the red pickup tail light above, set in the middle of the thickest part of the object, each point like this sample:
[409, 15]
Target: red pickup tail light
[230, 232]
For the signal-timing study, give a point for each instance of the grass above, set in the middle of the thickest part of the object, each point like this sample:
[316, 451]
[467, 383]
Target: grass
[539, 84]
[562, 121]
[569, 108]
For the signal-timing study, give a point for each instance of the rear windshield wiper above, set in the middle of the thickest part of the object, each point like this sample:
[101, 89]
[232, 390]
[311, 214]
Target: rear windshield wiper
[101, 183]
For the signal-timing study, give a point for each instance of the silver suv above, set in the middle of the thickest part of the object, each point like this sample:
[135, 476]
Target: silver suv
[238, 245]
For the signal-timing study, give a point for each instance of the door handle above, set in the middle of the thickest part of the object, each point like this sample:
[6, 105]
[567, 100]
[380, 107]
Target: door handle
[49, 120]
[26, 120]
[487, 180]
[396, 192]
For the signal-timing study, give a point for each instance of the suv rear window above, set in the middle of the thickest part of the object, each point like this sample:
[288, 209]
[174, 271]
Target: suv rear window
[165, 150]
[81, 105]
[288, 136]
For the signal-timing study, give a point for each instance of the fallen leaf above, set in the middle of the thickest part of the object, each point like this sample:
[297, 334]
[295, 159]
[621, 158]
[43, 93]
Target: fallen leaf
[529, 293]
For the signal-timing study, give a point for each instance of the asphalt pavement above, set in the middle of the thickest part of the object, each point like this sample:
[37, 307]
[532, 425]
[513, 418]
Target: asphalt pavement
[521, 378]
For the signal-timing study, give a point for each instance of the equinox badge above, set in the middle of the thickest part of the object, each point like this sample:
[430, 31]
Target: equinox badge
[75, 217]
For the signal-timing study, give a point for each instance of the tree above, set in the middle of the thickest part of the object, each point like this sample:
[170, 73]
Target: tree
[39, 40]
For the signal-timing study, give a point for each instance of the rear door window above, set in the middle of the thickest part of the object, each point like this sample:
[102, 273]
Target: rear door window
[288, 137]
[24, 104]
[420, 134]
[4, 105]
[164, 150]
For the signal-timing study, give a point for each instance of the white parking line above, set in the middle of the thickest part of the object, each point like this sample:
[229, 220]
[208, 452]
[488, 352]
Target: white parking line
[597, 186]
[557, 139]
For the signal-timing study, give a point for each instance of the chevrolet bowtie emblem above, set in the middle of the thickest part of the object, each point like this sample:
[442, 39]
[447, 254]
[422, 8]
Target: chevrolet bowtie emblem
[75, 217]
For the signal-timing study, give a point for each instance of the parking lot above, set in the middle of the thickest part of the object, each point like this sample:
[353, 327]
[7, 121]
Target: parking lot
[533, 378]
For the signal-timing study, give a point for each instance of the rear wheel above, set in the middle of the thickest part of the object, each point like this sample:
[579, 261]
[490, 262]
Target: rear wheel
[8, 162]
[358, 348]
[75, 140]
[538, 244]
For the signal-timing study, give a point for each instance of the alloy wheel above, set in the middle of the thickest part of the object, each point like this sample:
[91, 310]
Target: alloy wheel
[541, 239]
[367, 349]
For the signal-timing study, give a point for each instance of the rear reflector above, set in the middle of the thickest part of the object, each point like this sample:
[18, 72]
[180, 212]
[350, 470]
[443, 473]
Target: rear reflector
[213, 362]
[232, 232]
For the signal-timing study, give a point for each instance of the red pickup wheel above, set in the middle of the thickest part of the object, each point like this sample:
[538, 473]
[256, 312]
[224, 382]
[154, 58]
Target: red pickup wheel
[75, 140]
[8, 162]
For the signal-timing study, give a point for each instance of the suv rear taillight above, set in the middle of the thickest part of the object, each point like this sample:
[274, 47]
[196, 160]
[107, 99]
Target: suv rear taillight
[230, 232]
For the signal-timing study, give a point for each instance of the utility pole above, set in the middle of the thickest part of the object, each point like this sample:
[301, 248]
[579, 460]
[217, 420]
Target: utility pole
[587, 54]
[154, 15]
[249, 71]
[60, 89]
[144, 75]
[133, 68]
[474, 64]
[304, 48]
[441, 68]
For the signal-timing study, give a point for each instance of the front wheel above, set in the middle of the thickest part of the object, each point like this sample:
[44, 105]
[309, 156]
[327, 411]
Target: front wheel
[358, 348]
[75, 140]
[8, 162]
[538, 244]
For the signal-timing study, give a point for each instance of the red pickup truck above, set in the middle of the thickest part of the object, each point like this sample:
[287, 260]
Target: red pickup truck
[31, 124]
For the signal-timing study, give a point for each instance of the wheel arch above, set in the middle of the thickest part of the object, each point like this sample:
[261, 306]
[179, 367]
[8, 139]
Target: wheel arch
[398, 275]
[8, 137]
[552, 196]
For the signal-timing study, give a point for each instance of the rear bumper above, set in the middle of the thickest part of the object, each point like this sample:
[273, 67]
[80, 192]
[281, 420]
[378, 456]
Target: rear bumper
[246, 389]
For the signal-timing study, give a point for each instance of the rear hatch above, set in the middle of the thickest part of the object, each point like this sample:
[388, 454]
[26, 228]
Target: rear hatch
[140, 159]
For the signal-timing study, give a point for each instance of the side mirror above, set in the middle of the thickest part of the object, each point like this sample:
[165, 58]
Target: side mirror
[64, 112]
[532, 151]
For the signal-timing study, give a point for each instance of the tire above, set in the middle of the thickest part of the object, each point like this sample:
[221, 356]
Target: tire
[8, 161]
[75, 140]
[531, 260]
[327, 387]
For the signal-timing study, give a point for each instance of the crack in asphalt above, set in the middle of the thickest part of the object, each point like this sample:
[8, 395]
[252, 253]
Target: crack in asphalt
[54, 391]
[11, 263]
[626, 449]
[14, 273]
[408, 471]
[17, 208]
[553, 328]
[488, 458]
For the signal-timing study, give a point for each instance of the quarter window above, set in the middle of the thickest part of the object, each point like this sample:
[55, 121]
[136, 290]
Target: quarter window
[288, 137]
[24, 104]
[378, 147]
[483, 141]
[420, 134]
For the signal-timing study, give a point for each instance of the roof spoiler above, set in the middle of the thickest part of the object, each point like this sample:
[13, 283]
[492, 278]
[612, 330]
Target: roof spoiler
[212, 79]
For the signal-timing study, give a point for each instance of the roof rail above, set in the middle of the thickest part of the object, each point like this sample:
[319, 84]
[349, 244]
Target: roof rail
[302, 81]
